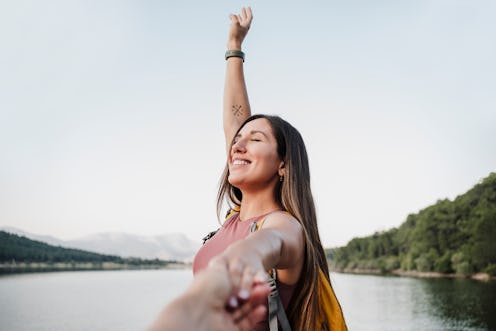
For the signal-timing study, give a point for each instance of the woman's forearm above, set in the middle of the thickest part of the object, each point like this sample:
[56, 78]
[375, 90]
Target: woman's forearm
[262, 248]
[236, 104]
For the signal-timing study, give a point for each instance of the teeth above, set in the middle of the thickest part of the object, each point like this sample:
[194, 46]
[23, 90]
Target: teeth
[240, 162]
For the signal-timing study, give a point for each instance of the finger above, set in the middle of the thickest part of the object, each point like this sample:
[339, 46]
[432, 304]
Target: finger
[257, 314]
[259, 294]
[242, 312]
[261, 277]
[233, 18]
[245, 284]
[236, 268]
[243, 13]
[249, 14]
[239, 18]
[232, 304]
[250, 320]
[257, 298]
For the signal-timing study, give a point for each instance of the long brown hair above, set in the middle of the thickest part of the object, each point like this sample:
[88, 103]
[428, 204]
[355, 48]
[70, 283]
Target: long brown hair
[295, 196]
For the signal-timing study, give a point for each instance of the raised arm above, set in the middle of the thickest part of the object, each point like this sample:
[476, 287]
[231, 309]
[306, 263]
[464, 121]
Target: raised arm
[236, 104]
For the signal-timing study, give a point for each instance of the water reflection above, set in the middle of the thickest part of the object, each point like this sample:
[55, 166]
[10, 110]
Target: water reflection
[462, 304]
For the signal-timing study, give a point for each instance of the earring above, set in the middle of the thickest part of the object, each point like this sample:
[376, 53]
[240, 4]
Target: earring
[281, 178]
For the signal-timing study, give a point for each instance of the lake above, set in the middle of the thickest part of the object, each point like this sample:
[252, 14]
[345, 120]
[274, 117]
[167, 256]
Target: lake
[130, 300]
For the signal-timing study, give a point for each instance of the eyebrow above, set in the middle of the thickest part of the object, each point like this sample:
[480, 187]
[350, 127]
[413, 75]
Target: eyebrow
[253, 132]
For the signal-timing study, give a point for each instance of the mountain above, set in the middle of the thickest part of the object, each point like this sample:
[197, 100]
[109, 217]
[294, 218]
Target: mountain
[164, 247]
[456, 236]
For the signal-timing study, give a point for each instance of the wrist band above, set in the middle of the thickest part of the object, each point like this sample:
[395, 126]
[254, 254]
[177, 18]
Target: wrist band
[235, 53]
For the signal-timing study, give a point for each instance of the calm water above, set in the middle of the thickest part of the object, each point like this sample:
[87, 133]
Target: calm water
[129, 300]
[403, 304]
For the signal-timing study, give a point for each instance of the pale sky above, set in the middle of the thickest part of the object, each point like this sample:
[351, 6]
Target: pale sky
[110, 111]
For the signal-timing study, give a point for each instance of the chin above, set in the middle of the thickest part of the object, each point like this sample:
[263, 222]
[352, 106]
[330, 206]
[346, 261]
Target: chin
[234, 181]
[237, 182]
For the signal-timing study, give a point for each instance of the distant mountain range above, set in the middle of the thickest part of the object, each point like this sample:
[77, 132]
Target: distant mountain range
[164, 247]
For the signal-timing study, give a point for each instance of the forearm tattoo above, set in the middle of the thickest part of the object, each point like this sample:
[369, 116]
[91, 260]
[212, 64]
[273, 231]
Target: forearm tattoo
[237, 110]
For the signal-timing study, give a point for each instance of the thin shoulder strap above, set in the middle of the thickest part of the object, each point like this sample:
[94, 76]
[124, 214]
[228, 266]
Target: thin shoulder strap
[259, 224]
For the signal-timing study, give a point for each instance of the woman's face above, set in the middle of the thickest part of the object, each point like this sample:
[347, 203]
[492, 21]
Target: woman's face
[253, 160]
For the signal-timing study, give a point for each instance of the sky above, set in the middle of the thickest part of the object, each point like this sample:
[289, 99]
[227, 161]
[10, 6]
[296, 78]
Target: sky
[111, 111]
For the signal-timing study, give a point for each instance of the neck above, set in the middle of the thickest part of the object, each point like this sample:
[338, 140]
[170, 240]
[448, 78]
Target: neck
[257, 203]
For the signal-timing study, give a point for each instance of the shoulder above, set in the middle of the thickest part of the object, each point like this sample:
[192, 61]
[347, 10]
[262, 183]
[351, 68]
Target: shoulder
[282, 219]
[291, 234]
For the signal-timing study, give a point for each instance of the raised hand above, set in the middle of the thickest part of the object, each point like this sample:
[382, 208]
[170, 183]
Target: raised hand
[240, 24]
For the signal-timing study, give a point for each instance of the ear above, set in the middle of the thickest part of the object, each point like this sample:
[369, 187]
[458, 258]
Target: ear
[282, 170]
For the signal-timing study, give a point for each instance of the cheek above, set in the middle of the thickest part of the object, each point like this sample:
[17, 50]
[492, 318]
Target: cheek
[272, 162]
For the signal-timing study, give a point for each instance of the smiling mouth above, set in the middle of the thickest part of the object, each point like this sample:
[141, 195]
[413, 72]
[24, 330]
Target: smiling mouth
[240, 162]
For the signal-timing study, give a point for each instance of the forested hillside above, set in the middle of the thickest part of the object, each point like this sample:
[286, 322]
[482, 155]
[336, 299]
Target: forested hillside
[456, 236]
[16, 249]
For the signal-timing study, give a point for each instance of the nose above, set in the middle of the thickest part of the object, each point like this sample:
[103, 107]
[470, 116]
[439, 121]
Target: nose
[239, 146]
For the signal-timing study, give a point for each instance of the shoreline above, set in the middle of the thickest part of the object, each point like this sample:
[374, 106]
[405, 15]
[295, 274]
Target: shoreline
[481, 276]
[26, 267]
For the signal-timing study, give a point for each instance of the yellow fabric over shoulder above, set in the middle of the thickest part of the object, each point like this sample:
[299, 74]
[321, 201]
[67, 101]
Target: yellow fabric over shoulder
[231, 212]
[330, 316]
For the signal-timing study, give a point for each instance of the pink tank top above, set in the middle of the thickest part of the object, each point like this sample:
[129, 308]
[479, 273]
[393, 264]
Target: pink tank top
[231, 231]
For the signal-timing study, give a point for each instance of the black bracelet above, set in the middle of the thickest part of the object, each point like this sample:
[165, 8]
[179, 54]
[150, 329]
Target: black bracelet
[235, 53]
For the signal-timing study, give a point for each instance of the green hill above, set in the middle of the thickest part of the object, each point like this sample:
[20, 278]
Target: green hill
[456, 236]
[19, 253]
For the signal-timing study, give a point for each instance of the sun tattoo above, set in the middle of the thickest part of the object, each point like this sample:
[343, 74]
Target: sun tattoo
[237, 110]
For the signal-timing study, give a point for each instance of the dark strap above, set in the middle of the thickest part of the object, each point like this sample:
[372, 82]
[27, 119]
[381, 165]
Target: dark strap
[276, 309]
[208, 236]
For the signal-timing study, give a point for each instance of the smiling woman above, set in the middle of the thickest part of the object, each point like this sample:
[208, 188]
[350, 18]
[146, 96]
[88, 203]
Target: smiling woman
[272, 224]
[253, 160]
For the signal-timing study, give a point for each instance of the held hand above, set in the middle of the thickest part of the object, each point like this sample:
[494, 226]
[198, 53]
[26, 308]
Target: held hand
[240, 24]
[205, 304]
[236, 314]
[245, 270]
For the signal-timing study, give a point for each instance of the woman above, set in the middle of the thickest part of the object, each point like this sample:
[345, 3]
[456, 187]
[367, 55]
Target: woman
[267, 180]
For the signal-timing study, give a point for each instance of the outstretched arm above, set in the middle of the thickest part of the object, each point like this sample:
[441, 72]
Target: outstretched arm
[236, 104]
[280, 244]
[204, 305]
